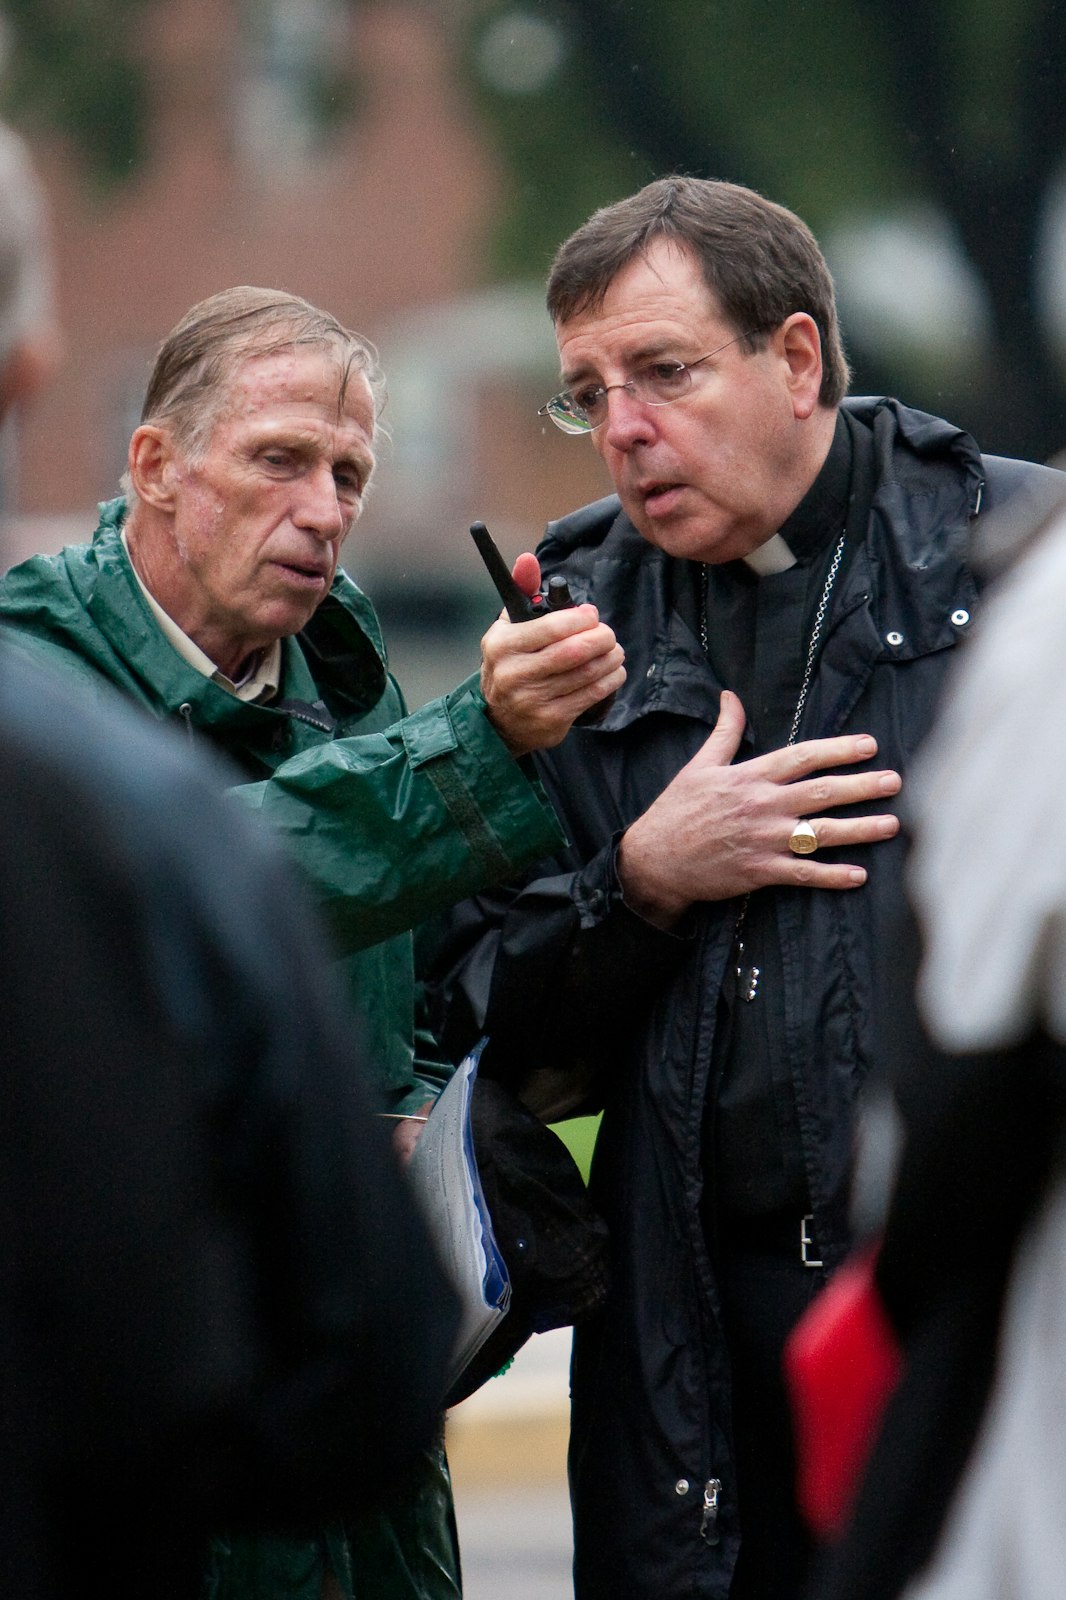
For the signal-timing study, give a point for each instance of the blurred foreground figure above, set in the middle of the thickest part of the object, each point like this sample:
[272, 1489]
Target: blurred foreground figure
[218, 1306]
[212, 596]
[963, 1495]
[788, 571]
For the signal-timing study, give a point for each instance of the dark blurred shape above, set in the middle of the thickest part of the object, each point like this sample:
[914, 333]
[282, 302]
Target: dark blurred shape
[218, 1306]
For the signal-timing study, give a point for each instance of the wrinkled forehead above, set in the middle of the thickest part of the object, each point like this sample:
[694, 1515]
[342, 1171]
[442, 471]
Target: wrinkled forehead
[327, 372]
[657, 304]
[663, 267]
[324, 380]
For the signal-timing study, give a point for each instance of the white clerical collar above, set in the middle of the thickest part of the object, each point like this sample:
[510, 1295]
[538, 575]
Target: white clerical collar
[773, 556]
[262, 683]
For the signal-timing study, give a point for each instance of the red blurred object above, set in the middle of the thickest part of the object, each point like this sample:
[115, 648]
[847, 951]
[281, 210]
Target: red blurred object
[842, 1362]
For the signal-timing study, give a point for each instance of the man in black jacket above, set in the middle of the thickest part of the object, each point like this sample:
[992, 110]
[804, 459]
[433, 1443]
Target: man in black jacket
[219, 1307]
[787, 572]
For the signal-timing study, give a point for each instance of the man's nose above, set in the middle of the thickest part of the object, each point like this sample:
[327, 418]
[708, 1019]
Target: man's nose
[629, 421]
[318, 505]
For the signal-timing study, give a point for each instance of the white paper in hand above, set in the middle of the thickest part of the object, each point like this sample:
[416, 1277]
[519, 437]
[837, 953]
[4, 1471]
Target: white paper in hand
[443, 1170]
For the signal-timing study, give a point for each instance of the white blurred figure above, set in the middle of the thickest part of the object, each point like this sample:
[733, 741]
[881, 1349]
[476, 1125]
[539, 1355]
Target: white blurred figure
[30, 339]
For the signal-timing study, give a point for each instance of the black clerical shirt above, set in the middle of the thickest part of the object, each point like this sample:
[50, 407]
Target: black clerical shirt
[758, 631]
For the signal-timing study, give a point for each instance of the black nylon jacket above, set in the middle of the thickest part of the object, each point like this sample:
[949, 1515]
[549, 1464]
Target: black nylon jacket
[564, 977]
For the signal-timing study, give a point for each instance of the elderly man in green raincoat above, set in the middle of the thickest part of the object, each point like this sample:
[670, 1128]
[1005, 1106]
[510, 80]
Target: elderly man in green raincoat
[211, 595]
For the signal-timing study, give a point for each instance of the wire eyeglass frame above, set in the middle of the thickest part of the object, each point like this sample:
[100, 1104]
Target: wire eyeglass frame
[572, 417]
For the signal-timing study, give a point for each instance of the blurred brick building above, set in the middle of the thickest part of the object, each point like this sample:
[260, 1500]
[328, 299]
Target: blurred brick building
[386, 221]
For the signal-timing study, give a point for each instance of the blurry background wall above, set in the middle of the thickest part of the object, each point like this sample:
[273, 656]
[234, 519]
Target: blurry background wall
[412, 165]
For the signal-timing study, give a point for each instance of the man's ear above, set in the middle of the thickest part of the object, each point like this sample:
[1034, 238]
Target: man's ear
[801, 348]
[153, 466]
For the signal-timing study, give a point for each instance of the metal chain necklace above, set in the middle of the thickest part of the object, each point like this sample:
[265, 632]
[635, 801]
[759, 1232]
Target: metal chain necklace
[747, 980]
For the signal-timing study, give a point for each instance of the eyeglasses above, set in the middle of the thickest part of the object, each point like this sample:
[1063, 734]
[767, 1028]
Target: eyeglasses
[656, 383]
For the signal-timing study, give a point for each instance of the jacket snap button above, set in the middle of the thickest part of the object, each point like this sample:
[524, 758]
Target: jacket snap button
[960, 618]
[681, 1486]
[894, 638]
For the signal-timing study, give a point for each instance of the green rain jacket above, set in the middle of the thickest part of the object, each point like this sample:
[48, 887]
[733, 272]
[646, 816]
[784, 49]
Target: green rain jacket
[392, 817]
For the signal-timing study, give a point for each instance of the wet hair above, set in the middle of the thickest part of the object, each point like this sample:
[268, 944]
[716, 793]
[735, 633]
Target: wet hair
[199, 357]
[760, 261]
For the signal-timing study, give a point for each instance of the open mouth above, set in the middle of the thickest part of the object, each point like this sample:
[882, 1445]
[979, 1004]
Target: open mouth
[660, 498]
[303, 574]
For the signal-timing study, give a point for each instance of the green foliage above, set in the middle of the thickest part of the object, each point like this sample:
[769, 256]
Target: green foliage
[986, 66]
[798, 98]
[765, 92]
[777, 86]
[841, 109]
[579, 1136]
[564, 155]
[75, 65]
[333, 99]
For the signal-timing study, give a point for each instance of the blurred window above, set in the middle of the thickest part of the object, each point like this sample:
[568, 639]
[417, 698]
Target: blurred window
[292, 88]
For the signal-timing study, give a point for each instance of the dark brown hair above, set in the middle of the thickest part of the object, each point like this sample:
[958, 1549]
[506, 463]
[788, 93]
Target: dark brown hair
[759, 260]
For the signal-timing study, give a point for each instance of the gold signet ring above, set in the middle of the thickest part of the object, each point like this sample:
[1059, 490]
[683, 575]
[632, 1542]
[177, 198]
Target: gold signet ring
[803, 841]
